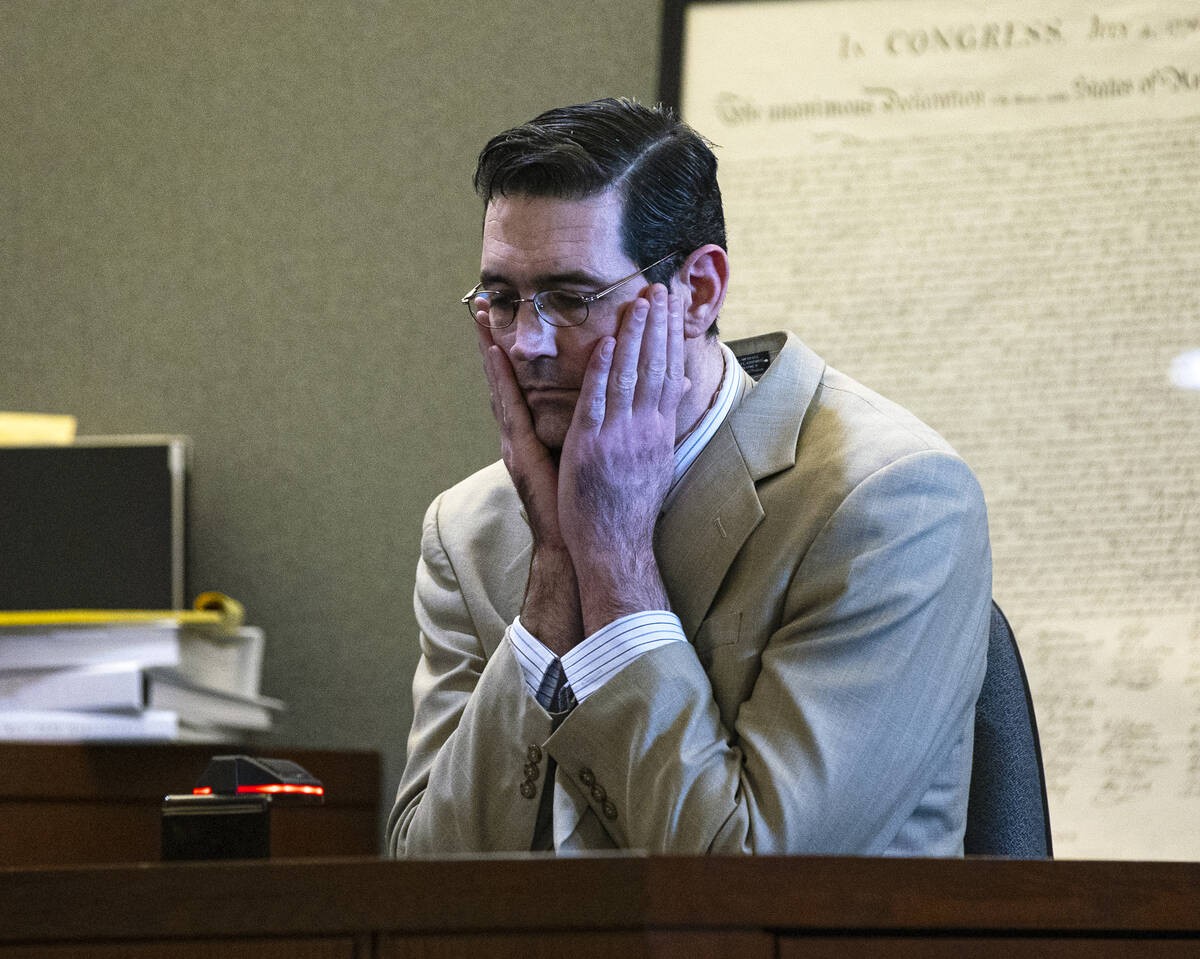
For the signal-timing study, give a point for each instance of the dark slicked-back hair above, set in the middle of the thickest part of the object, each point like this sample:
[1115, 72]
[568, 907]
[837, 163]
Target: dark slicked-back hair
[664, 170]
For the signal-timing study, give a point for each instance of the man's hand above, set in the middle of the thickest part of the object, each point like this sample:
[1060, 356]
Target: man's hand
[551, 608]
[618, 459]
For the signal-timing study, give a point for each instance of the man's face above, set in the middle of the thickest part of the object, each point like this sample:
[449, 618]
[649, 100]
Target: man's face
[542, 243]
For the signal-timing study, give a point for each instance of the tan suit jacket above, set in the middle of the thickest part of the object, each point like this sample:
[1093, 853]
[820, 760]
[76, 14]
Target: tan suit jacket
[828, 557]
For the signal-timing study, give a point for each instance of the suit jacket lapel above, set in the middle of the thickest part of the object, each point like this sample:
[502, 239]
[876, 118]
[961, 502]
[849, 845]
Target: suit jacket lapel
[704, 527]
[717, 506]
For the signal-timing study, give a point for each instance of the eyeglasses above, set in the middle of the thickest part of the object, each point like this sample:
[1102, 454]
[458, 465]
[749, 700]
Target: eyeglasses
[497, 310]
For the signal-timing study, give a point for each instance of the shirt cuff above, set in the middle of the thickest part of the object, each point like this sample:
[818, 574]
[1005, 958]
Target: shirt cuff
[610, 649]
[532, 656]
[599, 657]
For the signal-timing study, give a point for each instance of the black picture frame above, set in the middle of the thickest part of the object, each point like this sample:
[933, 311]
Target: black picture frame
[672, 37]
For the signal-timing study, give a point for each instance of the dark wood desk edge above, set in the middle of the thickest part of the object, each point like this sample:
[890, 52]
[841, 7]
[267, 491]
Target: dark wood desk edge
[799, 894]
[134, 772]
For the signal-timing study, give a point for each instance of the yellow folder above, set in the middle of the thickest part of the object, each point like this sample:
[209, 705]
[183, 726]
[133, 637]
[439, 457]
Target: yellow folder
[213, 610]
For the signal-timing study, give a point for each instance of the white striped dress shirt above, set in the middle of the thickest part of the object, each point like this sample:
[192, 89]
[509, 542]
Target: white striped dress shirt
[600, 656]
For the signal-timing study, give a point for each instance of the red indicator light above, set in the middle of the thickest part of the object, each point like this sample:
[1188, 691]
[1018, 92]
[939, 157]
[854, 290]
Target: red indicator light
[284, 788]
[202, 791]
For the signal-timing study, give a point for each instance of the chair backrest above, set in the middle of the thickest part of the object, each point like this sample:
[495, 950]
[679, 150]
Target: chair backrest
[1007, 813]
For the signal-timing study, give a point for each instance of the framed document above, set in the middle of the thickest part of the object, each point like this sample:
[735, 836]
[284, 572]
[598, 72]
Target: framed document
[990, 212]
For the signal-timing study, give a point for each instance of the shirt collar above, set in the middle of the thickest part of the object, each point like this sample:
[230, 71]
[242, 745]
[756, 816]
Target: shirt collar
[735, 384]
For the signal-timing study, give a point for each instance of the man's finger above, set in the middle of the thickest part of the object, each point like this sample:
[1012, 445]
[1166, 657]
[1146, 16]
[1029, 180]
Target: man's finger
[623, 375]
[508, 403]
[591, 406]
[652, 363]
[675, 383]
[483, 339]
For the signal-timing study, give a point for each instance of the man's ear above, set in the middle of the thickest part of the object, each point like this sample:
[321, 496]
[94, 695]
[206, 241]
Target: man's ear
[705, 277]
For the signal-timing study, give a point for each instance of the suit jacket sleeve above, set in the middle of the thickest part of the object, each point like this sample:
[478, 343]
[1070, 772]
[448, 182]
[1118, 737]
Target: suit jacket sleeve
[865, 690]
[476, 731]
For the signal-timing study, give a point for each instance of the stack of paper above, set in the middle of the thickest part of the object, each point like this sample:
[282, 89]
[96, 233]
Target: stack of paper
[132, 675]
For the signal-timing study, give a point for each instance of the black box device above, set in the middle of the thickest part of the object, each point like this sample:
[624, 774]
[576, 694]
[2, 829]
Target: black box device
[228, 813]
[99, 524]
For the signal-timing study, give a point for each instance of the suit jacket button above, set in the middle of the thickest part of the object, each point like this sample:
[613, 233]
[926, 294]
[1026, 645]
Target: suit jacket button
[534, 753]
[531, 770]
[610, 811]
[598, 794]
[587, 777]
[528, 789]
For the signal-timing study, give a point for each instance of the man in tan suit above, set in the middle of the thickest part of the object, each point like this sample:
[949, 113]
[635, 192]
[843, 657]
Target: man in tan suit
[713, 598]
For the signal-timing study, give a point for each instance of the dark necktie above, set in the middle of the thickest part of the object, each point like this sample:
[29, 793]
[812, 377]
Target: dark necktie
[558, 702]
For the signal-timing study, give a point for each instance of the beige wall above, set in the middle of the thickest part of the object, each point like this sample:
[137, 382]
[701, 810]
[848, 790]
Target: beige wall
[250, 222]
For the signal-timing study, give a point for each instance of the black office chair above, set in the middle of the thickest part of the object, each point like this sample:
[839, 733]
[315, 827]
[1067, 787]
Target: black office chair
[1007, 813]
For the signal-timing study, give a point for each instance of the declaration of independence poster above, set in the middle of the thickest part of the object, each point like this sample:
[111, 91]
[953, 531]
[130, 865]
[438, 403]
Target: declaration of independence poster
[990, 212]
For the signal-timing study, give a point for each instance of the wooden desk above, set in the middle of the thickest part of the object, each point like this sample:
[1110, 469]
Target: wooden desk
[73, 804]
[620, 906]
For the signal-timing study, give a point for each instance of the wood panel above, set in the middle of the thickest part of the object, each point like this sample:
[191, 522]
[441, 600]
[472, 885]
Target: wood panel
[812, 907]
[981, 947]
[676, 944]
[343, 948]
[132, 771]
[63, 804]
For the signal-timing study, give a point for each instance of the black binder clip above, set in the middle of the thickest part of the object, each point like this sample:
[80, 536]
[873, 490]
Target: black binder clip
[228, 813]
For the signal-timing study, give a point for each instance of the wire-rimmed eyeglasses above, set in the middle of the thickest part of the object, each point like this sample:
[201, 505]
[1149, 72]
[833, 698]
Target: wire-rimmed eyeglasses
[496, 310]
